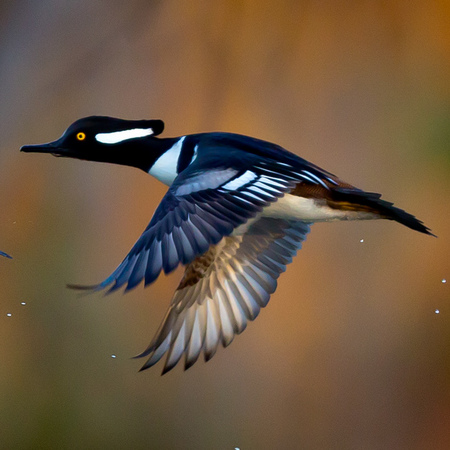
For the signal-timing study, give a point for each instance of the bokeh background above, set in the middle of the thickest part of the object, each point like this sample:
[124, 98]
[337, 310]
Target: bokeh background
[351, 352]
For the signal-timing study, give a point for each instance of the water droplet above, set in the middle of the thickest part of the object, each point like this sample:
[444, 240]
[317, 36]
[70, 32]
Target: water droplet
[444, 280]
[113, 356]
[437, 311]
[9, 314]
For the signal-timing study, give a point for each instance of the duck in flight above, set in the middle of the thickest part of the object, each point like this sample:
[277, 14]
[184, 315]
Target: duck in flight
[236, 212]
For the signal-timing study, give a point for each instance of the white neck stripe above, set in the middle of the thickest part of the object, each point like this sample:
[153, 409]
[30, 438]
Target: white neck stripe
[116, 137]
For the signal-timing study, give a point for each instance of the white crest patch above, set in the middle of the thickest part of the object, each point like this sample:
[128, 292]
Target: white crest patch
[238, 182]
[115, 137]
[165, 167]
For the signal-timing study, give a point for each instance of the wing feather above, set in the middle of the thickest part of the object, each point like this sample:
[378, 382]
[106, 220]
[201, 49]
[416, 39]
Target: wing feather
[200, 208]
[223, 289]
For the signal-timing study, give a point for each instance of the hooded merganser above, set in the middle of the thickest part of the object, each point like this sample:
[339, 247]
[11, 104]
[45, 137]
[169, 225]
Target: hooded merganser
[236, 212]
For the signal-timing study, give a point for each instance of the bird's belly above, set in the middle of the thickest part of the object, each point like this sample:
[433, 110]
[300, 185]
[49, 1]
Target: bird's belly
[292, 207]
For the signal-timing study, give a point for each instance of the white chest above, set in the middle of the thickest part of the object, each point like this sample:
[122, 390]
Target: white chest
[165, 167]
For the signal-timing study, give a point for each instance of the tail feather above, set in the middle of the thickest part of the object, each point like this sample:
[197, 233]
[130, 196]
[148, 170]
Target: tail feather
[371, 202]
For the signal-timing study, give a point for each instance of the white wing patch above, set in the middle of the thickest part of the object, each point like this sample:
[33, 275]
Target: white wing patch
[208, 180]
[238, 182]
[116, 137]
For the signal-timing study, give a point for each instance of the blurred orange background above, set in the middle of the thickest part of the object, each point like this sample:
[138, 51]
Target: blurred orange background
[350, 352]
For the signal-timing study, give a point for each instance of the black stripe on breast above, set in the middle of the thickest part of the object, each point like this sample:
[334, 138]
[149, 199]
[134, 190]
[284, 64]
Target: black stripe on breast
[187, 153]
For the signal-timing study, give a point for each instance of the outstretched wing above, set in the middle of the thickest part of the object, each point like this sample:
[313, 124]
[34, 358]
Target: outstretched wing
[223, 289]
[199, 209]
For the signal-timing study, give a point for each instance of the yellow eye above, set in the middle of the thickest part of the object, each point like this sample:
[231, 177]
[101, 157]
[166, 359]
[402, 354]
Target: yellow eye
[81, 136]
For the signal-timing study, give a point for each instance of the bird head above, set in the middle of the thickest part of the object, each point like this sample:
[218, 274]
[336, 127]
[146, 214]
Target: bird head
[104, 139]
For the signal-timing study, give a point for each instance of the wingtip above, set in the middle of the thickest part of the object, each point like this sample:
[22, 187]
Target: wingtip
[167, 369]
[147, 366]
[144, 367]
[91, 288]
[145, 353]
[82, 287]
[189, 363]
[128, 288]
[84, 290]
